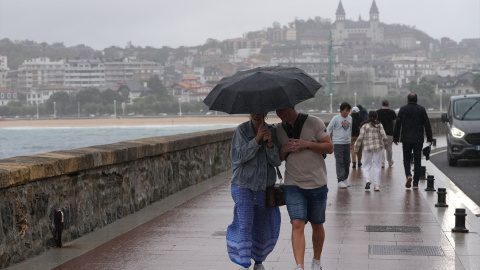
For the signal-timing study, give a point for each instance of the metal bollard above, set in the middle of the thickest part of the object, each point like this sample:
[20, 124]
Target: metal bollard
[442, 195]
[430, 181]
[434, 142]
[460, 221]
[423, 172]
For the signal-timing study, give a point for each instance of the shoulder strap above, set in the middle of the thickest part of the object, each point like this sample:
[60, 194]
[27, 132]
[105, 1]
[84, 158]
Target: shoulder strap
[295, 131]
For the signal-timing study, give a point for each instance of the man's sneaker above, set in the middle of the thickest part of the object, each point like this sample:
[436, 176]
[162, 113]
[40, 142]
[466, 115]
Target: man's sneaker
[258, 267]
[415, 186]
[298, 267]
[377, 188]
[342, 184]
[346, 182]
[316, 265]
[367, 185]
[390, 164]
[409, 182]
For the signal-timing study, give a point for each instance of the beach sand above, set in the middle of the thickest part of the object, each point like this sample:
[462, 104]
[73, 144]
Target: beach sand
[138, 121]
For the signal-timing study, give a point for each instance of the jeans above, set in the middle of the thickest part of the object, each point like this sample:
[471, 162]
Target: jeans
[342, 160]
[416, 147]
[306, 204]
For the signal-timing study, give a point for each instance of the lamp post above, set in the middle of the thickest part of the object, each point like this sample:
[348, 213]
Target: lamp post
[37, 109]
[355, 94]
[115, 108]
[440, 100]
[78, 109]
[331, 111]
[179, 107]
[54, 110]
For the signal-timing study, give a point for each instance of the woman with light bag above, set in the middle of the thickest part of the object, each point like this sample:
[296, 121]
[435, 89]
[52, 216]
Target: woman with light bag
[255, 228]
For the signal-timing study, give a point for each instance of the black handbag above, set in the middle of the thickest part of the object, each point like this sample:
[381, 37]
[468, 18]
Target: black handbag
[275, 194]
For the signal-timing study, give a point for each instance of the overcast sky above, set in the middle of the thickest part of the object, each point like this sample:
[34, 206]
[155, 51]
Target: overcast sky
[172, 23]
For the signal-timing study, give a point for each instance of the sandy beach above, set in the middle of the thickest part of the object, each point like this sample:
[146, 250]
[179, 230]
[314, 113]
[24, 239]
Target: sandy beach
[139, 121]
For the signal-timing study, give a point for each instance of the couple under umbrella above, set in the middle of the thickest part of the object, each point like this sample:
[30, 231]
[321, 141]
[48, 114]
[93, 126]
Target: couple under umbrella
[255, 154]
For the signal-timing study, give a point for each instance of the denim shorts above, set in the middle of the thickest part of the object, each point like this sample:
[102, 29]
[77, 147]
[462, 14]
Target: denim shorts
[306, 204]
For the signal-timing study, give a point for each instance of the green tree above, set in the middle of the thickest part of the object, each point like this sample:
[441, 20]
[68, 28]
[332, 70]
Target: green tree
[157, 86]
[63, 103]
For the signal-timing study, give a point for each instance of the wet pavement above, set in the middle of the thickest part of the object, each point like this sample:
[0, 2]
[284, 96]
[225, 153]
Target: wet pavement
[394, 228]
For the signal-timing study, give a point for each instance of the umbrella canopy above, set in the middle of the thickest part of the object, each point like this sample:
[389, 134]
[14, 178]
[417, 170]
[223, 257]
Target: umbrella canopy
[262, 90]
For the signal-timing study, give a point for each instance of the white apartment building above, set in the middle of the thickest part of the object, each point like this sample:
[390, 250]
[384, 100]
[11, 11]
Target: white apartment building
[412, 68]
[84, 73]
[41, 94]
[39, 71]
[6, 95]
[131, 69]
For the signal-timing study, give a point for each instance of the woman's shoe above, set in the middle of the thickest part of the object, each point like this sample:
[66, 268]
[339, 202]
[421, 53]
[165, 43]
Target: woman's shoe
[377, 188]
[367, 185]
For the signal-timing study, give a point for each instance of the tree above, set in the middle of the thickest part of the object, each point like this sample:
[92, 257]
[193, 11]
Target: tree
[157, 86]
[63, 103]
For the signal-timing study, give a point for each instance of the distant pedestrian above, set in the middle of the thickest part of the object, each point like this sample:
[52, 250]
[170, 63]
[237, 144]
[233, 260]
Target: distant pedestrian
[374, 140]
[356, 121]
[340, 130]
[412, 122]
[387, 117]
[363, 112]
[58, 219]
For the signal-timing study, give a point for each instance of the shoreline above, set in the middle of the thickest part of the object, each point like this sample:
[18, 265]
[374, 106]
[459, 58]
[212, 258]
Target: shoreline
[98, 122]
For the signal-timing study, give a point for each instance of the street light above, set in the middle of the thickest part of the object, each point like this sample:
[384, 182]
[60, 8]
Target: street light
[355, 94]
[331, 110]
[54, 110]
[37, 109]
[440, 100]
[115, 108]
[78, 109]
[179, 107]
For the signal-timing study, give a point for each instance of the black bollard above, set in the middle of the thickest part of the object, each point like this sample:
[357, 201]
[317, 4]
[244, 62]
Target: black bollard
[423, 172]
[460, 221]
[442, 195]
[434, 142]
[430, 181]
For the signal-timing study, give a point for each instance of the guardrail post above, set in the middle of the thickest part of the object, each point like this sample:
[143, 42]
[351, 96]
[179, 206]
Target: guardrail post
[442, 194]
[460, 221]
[430, 180]
[423, 172]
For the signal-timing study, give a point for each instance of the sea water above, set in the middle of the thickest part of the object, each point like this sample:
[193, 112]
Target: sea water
[23, 141]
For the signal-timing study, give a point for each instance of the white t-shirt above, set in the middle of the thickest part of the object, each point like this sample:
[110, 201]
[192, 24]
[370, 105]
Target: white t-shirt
[305, 168]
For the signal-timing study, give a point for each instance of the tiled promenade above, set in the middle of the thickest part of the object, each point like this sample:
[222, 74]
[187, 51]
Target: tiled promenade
[187, 230]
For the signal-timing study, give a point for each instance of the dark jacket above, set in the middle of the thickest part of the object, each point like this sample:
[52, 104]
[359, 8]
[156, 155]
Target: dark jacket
[412, 123]
[356, 121]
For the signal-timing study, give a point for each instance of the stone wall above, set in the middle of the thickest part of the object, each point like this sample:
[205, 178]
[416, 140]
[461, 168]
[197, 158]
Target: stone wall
[97, 185]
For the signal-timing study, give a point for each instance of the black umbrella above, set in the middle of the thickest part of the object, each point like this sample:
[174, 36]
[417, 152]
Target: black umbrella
[262, 90]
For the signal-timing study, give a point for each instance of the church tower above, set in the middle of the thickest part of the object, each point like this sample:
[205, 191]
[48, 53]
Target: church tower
[376, 32]
[339, 30]
[374, 14]
[340, 12]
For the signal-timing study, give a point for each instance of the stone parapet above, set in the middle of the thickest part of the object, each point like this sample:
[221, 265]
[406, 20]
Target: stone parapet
[95, 186]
